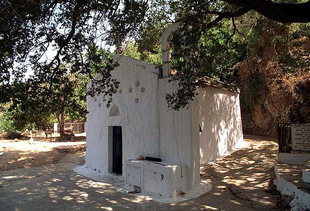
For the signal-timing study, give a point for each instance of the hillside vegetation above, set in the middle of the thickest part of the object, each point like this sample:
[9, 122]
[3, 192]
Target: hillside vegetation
[275, 80]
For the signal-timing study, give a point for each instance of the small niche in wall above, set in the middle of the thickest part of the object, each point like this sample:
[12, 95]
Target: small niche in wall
[137, 100]
[200, 129]
[137, 83]
[130, 90]
[114, 111]
[143, 89]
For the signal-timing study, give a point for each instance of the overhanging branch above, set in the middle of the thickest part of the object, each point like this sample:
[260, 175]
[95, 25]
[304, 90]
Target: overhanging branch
[281, 12]
[222, 16]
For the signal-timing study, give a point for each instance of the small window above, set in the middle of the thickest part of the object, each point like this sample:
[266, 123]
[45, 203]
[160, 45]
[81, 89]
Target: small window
[200, 129]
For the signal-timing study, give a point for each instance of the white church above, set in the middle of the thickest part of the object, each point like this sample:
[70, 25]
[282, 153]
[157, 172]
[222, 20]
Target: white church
[153, 148]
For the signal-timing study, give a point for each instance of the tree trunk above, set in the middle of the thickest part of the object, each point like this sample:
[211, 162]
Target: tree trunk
[119, 47]
[61, 122]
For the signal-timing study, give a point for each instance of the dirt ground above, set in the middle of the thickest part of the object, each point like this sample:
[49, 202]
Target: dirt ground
[25, 159]
[24, 154]
[247, 175]
[241, 181]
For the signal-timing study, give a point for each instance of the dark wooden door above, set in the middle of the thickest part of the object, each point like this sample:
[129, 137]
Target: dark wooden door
[117, 160]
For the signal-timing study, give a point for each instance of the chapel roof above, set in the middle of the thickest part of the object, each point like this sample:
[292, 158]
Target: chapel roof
[210, 82]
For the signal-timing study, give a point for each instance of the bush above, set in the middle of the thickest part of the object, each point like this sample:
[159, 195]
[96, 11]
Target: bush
[12, 135]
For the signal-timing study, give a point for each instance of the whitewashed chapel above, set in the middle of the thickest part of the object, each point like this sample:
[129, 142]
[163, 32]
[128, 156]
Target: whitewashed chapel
[139, 125]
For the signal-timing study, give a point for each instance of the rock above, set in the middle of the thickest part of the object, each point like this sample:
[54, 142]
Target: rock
[270, 93]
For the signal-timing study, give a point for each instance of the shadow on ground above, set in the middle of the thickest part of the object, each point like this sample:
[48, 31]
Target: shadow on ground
[240, 182]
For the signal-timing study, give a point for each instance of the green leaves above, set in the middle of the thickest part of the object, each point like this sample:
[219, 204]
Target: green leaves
[199, 53]
[102, 63]
[54, 38]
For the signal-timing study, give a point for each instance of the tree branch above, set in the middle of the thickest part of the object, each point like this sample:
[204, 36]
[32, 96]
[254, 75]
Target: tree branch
[234, 30]
[63, 44]
[221, 16]
[281, 12]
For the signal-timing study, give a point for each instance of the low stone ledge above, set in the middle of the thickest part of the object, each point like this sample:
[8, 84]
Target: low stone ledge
[288, 182]
[294, 158]
[306, 173]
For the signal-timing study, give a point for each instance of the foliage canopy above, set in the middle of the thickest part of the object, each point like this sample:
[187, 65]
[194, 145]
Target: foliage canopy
[37, 38]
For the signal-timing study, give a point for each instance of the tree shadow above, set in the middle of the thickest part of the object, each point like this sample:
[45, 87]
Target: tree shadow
[240, 182]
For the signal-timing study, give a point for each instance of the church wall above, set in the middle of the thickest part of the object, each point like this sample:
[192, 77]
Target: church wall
[216, 122]
[209, 129]
[175, 137]
[138, 116]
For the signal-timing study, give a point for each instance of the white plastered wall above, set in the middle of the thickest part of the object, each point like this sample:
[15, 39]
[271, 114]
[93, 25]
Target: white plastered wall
[216, 122]
[176, 145]
[150, 128]
[137, 103]
[209, 129]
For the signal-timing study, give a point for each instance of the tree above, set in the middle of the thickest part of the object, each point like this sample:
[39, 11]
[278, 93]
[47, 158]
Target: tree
[30, 30]
[32, 110]
[62, 31]
[68, 97]
[7, 125]
[192, 44]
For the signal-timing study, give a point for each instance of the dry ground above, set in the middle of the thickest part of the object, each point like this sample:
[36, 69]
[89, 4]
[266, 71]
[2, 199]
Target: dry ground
[247, 175]
[25, 159]
[240, 181]
[25, 154]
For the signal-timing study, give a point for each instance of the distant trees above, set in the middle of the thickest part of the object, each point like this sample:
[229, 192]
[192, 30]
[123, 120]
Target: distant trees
[31, 109]
[33, 105]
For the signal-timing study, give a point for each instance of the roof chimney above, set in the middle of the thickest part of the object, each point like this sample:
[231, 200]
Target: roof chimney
[165, 45]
